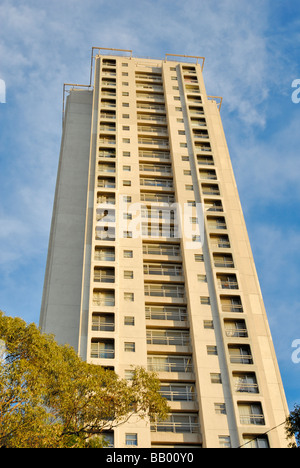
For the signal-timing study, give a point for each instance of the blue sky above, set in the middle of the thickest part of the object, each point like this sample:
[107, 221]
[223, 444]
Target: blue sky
[252, 57]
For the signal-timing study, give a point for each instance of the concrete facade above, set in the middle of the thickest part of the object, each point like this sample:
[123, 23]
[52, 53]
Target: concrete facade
[144, 152]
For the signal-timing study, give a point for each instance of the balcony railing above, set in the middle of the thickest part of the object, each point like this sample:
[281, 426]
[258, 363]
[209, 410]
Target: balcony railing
[184, 365]
[166, 313]
[161, 269]
[224, 284]
[180, 339]
[191, 426]
[256, 419]
[154, 154]
[182, 394]
[168, 291]
[161, 249]
[241, 359]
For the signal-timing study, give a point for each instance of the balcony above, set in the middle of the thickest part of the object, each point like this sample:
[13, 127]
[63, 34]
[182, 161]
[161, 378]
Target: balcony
[245, 382]
[163, 269]
[210, 189]
[173, 291]
[155, 154]
[104, 275]
[207, 174]
[202, 146]
[213, 205]
[152, 117]
[170, 364]
[104, 298]
[240, 354]
[156, 168]
[163, 249]
[168, 337]
[102, 349]
[106, 254]
[161, 142]
[205, 160]
[223, 261]
[227, 281]
[214, 222]
[177, 423]
[158, 129]
[156, 182]
[231, 304]
[103, 322]
[107, 167]
[220, 241]
[235, 328]
[159, 231]
[166, 313]
[107, 182]
[107, 140]
[150, 106]
[107, 152]
[178, 392]
[251, 414]
[104, 199]
[157, 197]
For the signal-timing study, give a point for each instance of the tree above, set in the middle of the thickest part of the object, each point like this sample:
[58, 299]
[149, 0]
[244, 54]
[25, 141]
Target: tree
[49, 397]
[292, 426]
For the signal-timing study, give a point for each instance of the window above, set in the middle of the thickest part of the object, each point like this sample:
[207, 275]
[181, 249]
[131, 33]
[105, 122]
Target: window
[128, 296]
[176, 98]
[126, 183]
[127, 168]
[189, 187]
[128, 254]
[205, 300]
[128, 274]
[124, 74]
[131, 440]
[185, 158]
[256, 441]
[181, 132]
[183, 145]
[129, 374]
[208, 324]
[215, 378]
[178, 108]
[129, 320]
[125, 127]
[125, 93]
[127, 234]
[211, 350]
[126, 154]
[187, 172]
[126, 140]
[199, 258]
[124, 64]
[125, 104]
[202, 278]
[220, 408]
[127, 198]
[129, 347]
[127, 215]
[125, 83]
[224, 442]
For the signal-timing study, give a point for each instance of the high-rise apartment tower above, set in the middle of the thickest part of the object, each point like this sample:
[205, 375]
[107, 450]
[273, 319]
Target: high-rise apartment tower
[149, 262]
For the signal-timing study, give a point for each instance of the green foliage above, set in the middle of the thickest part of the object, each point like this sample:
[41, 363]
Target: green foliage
[292, 427]
[49, 397]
